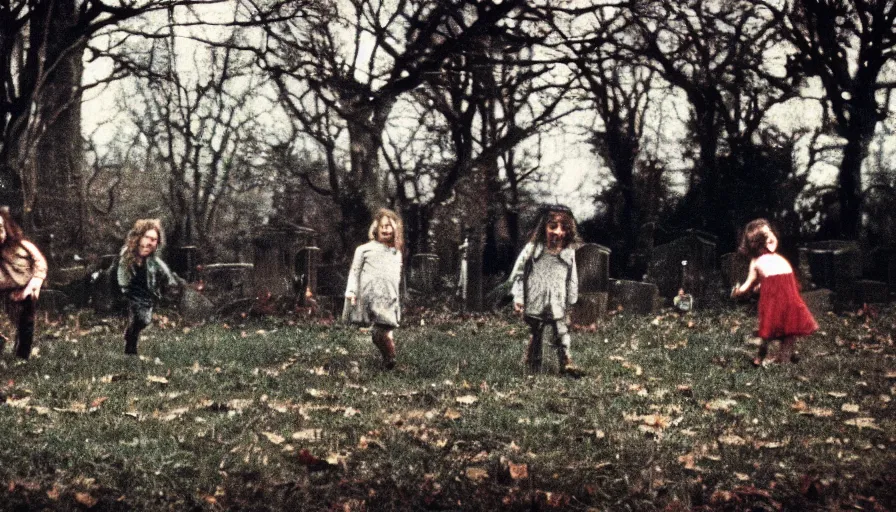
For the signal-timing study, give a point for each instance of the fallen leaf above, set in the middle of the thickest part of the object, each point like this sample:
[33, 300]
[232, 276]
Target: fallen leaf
[518, 471]
[85, 499]
[157, 379]
[720, 404]
[863, 423]
[308, 434]
[477, 474]
[452, 414]
[466, 399]
[733, 440]
[274, 438]
[853, 408]
[97, 402]
[837, 394]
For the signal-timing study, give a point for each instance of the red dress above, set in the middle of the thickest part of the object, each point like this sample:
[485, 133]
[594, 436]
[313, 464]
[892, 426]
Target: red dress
[782, 311]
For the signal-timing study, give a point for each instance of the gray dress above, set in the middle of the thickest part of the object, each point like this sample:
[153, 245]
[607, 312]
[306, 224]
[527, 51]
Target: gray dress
[547, 284]
[374, 279]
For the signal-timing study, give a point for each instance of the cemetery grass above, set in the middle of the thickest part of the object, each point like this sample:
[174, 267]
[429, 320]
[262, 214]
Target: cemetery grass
[280, 414]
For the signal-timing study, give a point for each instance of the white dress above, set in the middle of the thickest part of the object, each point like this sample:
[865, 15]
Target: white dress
[375, 280]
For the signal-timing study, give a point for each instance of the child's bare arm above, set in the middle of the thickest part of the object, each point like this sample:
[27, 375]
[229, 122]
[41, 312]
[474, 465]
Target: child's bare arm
[752, 275]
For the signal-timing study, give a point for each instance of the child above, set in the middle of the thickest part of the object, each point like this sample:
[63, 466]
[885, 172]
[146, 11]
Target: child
[374, 280]
[140, 274]
[782, 313]
[545, 284]
[22, 272]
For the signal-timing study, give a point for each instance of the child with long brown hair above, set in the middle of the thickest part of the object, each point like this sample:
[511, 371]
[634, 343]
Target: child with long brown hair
[545, 284]
[372, 293]
[782, 313]
[22, 272]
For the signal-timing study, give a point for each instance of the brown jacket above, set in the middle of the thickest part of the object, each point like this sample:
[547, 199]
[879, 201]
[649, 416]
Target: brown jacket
[19, 263]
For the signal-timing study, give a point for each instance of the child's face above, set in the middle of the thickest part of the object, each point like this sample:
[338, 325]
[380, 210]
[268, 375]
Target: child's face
[771, 241]
[556, 233]
[386, 232]
[149, 242]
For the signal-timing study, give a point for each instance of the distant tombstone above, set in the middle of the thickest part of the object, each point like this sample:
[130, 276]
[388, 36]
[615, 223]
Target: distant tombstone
[424, 275]
[593, 269]
[735, 267]
[276, 251]
[306, 267]
[882, 264]
[688, 262]
[833, 264]
[226, 282]
[633, 296]
[866, 291]
[194, 307]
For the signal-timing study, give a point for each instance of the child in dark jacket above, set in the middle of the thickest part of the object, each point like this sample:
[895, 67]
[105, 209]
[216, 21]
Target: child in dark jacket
[545, 284]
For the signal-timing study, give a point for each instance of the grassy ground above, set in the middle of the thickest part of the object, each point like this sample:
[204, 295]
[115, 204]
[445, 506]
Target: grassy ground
[280, 415]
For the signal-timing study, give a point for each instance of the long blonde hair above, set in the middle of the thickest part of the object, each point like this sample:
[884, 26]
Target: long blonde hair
[397, 226]
[132, 242]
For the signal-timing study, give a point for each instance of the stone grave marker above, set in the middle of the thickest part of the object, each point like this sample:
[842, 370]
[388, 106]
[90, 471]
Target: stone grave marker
[633, 296]
[424, 274]
[593, 269]
[275, 260]
[688, 262]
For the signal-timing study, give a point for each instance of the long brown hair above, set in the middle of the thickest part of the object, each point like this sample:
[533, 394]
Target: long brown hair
[14, 233]
[752, 240]
[397, 226]
[555, 213]
[132, 242]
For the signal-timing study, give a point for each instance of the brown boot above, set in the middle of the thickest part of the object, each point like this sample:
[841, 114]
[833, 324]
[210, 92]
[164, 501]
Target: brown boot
[566, 365]
[533, 354]
[387, 348]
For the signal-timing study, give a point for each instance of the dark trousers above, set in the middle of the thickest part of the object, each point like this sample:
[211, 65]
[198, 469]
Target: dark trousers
[22, 315]
[560, 340]
[139, 317]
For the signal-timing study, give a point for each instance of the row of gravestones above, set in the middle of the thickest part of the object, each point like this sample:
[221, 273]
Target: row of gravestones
[286, 263]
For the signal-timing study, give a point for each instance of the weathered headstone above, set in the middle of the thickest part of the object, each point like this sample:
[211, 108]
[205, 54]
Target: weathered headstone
[593, 269]
[194, 307]
[882, 264]
[833, 264]
[633, 296]
[688, 262]
[306, 268]
[183, 262]
[424, 275]
[276, 250]
[866, 291]
[225, 282]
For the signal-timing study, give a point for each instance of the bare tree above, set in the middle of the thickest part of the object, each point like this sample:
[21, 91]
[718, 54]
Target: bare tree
[351, 62]
[199, 129]
[42, 46]
[717, 53]
[848, 45]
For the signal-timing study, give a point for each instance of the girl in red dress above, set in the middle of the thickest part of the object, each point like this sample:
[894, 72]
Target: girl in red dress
[782, 313]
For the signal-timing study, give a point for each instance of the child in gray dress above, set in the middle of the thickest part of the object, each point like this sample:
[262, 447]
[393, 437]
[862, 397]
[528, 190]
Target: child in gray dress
[374, 280]
[545, 284]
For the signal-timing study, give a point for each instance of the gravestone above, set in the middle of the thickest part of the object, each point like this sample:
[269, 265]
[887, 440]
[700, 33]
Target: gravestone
[306, 268]
[633, 296]
[424, 275]
[882, 265]
[833, 264]
[866, 291]
[194, 307]
[225, 282]
[688, 262]
[593, 269]
[275, 260]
